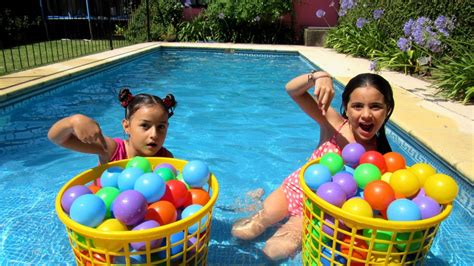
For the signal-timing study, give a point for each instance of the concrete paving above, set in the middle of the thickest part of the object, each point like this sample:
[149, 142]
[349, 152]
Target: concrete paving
[446, 127]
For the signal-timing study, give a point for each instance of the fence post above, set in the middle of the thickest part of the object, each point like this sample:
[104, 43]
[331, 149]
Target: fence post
[148, 20]
[110, 26]
[44, 19]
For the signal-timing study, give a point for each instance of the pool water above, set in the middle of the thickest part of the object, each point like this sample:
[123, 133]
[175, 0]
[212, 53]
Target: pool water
[232, 113]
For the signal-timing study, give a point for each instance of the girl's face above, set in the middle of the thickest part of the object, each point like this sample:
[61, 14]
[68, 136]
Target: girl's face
[366, 112]
[147, 129]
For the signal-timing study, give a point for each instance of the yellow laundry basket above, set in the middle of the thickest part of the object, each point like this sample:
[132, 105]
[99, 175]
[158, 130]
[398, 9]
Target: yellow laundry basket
[179, 246]
[332, 236]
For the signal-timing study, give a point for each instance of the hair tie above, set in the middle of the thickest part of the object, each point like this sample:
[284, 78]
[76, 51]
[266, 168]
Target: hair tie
[127, 101]
[169, 102]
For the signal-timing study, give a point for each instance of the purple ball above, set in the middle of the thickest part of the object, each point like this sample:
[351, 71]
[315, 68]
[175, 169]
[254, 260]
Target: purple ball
[130, 207]
[328, 227]
[347, 182]
[71, 194]
[332, 193]
[351, 154]
[421, 193]
[428, 206]
[143, 226]
[166, 165]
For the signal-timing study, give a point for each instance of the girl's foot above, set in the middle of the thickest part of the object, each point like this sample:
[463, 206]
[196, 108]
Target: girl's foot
[286, 241]
[250, 228]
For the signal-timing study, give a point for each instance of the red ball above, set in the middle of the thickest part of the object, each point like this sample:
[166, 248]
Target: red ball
[360, 253]
[164, 212]
[379, 194]
[375, 158]
[175, 193]
[394, 161]
[196, 196]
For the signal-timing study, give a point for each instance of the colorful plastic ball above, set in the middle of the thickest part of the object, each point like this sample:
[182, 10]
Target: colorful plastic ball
[441, 188]
[316, 175]
[71, 194]
[93, 188]
[351, 154]
[403, 181]
[327, 257]
[386, 177]
[332, 161]
[196, 173]
[428, 206]
[167, 165]
[332, 193]
[126, 179]
[190, 211]
[110, 225]
[403, 239]
[109, 177]
[163, 212]
[88, 210]
[357, 206]
[381, 241]
[392, 260]
[421, 193]
[143, 226]
[347, 182]
[130, 207]
[165, 173]
[422, 171]
[180, 178]
[174, 239]
[366, 173]
[403, 210]
[139, 162]
[175, 192]
[108, 195]
[196, 196]
[379, 194]
[394, 161]
[328, 228]
[349, 169]
[375, 158]
[151, 186]
[357, 253]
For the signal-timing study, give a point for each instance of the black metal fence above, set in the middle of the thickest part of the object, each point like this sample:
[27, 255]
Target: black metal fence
[37, 32]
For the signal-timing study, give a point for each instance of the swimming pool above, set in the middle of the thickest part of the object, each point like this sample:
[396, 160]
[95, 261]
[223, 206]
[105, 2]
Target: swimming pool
[233, 113]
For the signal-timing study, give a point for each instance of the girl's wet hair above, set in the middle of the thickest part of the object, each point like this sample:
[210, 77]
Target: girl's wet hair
[382, 85]
[132, 103]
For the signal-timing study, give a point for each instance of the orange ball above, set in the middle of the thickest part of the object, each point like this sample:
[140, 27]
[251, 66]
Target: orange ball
[196, 196]
[359, 249]
[394, 161]
[94, 188]
[379, 194]
[164, 212]
[375, 158]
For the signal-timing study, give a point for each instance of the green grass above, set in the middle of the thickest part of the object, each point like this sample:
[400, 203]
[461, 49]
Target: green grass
[37, 54]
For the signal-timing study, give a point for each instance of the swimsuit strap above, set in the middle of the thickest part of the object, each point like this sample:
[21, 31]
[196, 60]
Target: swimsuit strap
[333, 138]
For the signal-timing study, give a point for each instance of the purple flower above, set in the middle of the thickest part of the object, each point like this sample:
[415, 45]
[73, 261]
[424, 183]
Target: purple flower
[404, 44]
[347, 4]
[434, 45]
[187, 3]
[342, 12]
[361, 22]
[373, 65]
[320, 13]
[378, 13]
[444, 25]
[407, 28]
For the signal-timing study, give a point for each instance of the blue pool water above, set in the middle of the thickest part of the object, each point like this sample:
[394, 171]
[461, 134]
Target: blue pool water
[233, 113]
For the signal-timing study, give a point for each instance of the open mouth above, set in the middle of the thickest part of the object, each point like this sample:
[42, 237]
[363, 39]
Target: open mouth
[366, 127]
[151, 145]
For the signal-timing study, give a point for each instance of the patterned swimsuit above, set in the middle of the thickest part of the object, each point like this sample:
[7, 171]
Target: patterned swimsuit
[291, 184]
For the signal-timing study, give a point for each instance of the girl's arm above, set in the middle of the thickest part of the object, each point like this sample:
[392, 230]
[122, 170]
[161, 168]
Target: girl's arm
[81, 133]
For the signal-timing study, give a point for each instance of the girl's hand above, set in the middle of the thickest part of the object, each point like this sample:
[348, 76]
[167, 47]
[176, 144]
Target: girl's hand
[323, 91]
[88, 131]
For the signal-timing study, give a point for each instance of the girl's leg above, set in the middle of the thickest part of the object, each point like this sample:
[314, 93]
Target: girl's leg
[275, 208]
[286, 240]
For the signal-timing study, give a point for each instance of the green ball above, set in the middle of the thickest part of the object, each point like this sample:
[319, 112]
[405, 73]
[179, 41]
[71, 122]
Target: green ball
[108, 195]
[385, 236]
[333, 162]
[139, 162]
[404, 237]
[366, 173]
[165, 173]
[180, 178]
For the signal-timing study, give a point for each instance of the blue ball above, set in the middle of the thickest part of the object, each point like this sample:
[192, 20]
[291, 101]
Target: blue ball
[128, 177]
[151, 186]
[109, 177]
[337, 258]
[403, 210]
[88, 210]
[196, 173]
[175, 249]
[316, 175]
[191, 210]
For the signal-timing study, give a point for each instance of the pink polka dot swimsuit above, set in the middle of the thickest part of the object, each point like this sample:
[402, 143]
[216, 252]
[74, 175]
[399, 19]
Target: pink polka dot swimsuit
[291, 184]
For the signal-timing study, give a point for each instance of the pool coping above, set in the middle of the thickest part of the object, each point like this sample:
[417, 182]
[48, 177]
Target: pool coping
[445, 127]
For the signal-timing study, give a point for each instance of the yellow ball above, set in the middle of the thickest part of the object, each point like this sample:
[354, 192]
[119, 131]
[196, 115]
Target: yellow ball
[405, 182]
[357, 206]
[110, 225]
[386, 177]
[422, 171]
[441, 188]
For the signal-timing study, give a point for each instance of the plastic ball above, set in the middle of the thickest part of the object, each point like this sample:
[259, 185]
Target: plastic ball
[428, 206]
[379, 194]
[404, 237]
[349, 169]
[316, 175]
[110, 225]
[109, 177]
[130, 207]
[332, 161]
[139, 162]
[403, 210]
[360, 253]
[327, 257]
[165, 173]
[190, 211]
[196, 173]
[151, 186]
[163, 212]
[88, 210]
[167, 165]
[328, 228]
[71, 194]
[108, 195]
[422, 171]
[357, 206]
[441, 188]
[351, 154]
[386, 177]
[403, 181]
[366, 173]
[347, 182]
[143, 226]
[394, 161]
[175, 192]
[93, 188]
[196, 196]
[180, 178]
[126, 179]
[332, 193]
[375, 158]
[385, 236]
[174, 239]
[393, 260]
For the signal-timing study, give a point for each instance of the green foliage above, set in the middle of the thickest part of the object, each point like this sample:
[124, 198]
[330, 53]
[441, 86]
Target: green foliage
[13, 27]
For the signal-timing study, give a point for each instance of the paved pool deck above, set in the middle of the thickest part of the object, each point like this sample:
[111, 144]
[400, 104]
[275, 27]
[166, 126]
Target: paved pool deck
[446, 127]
